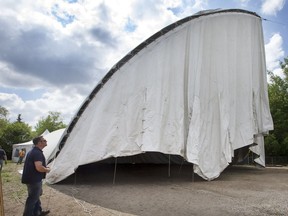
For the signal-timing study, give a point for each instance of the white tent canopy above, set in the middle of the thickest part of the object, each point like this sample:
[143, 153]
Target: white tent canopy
[196, 89]
[17, 147]
[27, 146]
[49, 151]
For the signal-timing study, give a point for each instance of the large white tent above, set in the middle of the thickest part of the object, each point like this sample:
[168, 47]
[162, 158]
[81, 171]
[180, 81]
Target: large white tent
[196, 89]
[49, 151]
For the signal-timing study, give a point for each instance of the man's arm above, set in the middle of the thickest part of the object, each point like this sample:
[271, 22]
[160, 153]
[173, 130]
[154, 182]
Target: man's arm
[40, 168]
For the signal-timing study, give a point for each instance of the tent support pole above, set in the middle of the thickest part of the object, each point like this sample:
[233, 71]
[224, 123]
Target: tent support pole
[169, 167]
[75, 176]
[193, 173]
[181, 166]
[114, 177]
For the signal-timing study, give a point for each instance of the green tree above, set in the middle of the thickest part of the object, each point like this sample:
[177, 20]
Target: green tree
[272, 146]
[52, 122]
[277, 142]
[3, 118]
[19, 119]
[3, 112]
[16, 132]
[3, 124]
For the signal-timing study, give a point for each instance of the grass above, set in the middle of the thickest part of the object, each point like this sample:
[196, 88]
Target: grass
[12, 188]
[13, 191]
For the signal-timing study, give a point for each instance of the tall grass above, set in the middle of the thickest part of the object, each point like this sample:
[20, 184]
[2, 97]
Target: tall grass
[13, 189]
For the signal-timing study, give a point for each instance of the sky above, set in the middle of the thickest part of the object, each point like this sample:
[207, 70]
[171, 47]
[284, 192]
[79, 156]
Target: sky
[54, 52]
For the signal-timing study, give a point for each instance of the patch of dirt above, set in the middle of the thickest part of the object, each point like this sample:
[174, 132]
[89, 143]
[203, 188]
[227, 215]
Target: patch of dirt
[101, 190]
[59, 203]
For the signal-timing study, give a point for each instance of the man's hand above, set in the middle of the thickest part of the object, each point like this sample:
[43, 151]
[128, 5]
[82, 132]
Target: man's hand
[48, 169]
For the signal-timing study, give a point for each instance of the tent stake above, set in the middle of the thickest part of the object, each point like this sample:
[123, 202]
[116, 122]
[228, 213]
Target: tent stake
[115, 170]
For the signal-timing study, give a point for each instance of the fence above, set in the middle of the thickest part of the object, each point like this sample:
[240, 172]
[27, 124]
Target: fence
[269, 160]
[279, 160]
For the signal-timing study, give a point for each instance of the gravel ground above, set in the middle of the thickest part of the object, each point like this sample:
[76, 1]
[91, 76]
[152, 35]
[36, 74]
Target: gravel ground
[149, 190]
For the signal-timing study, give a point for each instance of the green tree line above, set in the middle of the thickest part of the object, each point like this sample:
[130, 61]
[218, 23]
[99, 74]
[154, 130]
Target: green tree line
[276, 143]
[14, 132]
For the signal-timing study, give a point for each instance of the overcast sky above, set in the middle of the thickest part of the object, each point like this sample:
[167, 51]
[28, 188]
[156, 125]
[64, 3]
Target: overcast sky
[54, 52]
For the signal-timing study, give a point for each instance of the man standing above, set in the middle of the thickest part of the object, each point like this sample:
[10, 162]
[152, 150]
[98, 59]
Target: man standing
[21, 156]
[33, 172]
[3, 157]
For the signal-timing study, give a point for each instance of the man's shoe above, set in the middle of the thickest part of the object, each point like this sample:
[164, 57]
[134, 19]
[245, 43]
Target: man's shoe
[43, 213]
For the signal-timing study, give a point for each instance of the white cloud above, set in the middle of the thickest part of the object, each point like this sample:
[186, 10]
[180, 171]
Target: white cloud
[66, 101]
[278, 72]
[66, 62]
[12, 103]
[271, 7]
[9, 78]
[189, 7]
[244, 3]
[274, 52]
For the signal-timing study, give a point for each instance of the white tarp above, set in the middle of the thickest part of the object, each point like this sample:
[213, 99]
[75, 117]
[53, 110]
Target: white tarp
[198, 91]
[52, 143]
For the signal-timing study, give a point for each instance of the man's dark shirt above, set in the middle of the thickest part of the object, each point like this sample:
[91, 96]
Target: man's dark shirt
[30, 174]
[2, 154]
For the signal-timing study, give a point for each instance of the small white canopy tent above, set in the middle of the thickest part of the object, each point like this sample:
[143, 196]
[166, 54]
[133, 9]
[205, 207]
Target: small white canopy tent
[196, 89]
[26, 145]
[49, 151]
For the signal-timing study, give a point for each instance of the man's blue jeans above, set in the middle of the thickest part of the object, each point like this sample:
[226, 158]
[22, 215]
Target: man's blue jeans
[33, 203]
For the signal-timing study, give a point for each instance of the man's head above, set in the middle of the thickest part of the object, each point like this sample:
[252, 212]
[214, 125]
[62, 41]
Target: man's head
[40, 142]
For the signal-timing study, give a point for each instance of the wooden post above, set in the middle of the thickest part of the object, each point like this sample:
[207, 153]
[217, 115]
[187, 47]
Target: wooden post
[1, 198]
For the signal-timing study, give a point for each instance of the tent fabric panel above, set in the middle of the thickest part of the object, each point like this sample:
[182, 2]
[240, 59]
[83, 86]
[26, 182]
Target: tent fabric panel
[224, 107]
[198, 92]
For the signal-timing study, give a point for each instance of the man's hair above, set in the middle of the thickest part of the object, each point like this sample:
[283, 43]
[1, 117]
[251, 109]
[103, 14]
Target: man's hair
[36, 140]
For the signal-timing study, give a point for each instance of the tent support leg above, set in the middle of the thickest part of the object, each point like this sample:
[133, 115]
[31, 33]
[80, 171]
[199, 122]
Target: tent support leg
[181, 166]
[114, 177]
[75, 176]
[169, 167]
[193, 173]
